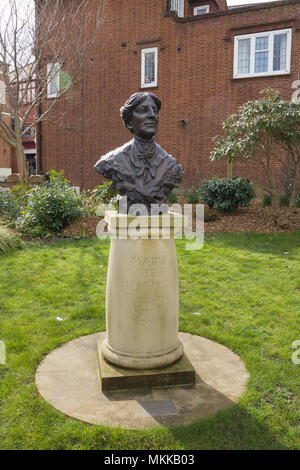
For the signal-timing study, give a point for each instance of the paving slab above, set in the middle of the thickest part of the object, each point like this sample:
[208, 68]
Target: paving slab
[68, 378]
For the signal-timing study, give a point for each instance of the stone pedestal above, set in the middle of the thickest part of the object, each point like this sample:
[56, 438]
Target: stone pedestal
[142, 292]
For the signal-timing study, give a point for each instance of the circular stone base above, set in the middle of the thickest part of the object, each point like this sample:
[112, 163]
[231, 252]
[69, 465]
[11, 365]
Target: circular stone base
[68, 378]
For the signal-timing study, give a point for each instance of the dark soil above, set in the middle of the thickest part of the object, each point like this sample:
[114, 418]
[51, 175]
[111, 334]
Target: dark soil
[254, 218]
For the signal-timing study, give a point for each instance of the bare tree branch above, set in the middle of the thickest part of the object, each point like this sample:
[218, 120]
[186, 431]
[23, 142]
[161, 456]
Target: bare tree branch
[45, 43]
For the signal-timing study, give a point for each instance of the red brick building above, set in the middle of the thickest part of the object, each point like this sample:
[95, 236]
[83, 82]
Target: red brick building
[29, 139]
[6, 157]
[8, 160]
[5, 149]
[203, 61]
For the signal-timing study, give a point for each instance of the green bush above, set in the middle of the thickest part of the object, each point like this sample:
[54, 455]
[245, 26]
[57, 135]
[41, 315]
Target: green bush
[193, 197]
[12, 203]
[57, 176]
[172, 198]
[226, 193]
[8, 242]
[104, 193]
[297, 201]
[267, 200]
[50, 207]
[284, 200]
[102, 197]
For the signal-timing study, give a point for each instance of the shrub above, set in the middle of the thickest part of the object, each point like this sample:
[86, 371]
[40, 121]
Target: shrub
[256, 131]
[267, 200]
[284, 200]
[227, 193]
[193, 197]
[297, 201]
[12, 203]
[57, 176]
[8, 242]
[51, 206]
[101, 197]
[172, 198]
[104, 193]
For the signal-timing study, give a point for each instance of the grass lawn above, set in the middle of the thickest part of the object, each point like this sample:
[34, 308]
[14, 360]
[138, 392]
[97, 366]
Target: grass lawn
[247, 291]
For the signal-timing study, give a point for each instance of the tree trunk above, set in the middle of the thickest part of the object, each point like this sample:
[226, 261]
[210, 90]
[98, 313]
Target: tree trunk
[294, 184]
[229, 169]
[275, 206]
[22, 168]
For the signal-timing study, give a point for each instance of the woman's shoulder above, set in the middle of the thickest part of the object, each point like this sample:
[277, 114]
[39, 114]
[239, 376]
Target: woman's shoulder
[118, 152]
[170, 160]
[111, 159]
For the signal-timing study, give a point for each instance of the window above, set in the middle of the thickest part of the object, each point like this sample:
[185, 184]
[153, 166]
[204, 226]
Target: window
[27, 92]
[53, 79]
[149, 67]
[260, 54]
[178, 6]
[202, 10]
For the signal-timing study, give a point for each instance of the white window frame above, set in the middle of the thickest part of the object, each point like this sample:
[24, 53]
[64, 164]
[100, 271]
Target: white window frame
[252, 38]
[201, 7]
[53, 75]
[143, 53]
[178, 6]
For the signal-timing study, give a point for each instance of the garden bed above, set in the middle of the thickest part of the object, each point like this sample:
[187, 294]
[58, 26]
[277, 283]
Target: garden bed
[254, 219]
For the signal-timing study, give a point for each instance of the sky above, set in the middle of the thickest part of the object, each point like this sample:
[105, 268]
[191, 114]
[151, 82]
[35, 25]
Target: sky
[247, 2]
[229, 2]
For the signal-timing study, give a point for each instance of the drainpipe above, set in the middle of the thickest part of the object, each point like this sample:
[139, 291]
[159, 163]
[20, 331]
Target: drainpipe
[39, 168]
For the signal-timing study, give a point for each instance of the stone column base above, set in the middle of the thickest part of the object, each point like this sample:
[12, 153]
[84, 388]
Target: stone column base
[113, 377]
[142, 299]
[146, 361]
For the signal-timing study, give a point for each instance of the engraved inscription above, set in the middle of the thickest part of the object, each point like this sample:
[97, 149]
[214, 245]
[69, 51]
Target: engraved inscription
[150, 272]
[147, 294]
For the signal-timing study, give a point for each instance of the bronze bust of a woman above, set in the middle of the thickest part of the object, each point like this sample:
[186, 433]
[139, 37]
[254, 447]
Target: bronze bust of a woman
[141, 169]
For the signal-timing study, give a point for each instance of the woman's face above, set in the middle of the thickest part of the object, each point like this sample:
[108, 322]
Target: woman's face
[144, 119]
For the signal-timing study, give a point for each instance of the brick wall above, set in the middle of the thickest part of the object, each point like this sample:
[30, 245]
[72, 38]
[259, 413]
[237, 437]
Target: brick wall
[195, 70]
[5, 152]
[213, 6]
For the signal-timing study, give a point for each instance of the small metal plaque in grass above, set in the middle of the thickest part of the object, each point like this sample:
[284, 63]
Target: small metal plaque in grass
[157, 408]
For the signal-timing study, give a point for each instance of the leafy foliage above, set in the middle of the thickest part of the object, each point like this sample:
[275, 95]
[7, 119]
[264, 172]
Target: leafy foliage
[57, 176]
[51, 206]
[226, 193]
[193, 197]
[297, 201]
[38, 210]
[104, 193]
[8, 242]
[101, 197]
[257, 131]
[172, 198]
[13, 202]
[284, 200]
[267, 200]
